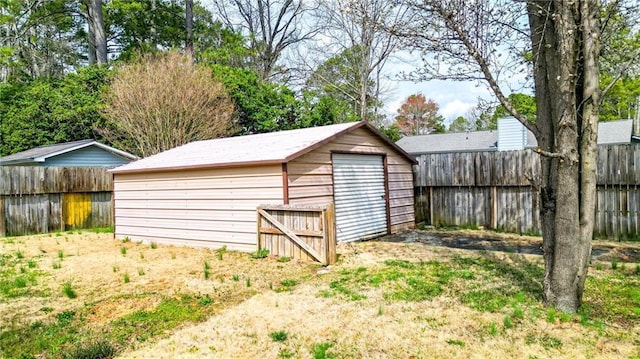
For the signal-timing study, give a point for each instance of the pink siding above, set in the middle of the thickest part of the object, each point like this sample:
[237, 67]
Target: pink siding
[311, 175]
[199, 208]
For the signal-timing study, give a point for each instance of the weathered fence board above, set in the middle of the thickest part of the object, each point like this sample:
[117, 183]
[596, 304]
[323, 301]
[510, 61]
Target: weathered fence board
[300, 232]
[47, 199]
[494, 190]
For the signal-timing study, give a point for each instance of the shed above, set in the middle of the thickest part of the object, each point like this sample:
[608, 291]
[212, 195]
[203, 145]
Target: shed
[205, 193]
[83, 153]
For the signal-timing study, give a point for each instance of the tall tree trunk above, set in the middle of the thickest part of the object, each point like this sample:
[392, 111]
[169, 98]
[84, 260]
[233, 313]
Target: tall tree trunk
[91, 40]
[565, 39]
[188, 47]
[97, 28]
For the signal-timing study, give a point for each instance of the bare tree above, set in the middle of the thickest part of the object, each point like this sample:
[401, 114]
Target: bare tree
[558, 42]
[272, 27]
[360, 24]
[158, 103]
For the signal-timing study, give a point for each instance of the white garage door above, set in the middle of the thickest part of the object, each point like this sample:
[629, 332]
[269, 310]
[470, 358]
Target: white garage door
[359, 196]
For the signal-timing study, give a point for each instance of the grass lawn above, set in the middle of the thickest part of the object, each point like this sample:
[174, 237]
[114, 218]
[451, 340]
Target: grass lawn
[85, 295]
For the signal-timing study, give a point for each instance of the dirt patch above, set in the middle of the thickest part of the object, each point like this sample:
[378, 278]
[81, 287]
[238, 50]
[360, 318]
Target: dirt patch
[488, 241]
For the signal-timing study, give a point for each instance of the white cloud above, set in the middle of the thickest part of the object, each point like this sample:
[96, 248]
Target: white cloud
[456, 108]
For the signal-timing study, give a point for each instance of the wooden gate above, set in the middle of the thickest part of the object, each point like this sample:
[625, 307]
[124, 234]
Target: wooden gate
[299, 232]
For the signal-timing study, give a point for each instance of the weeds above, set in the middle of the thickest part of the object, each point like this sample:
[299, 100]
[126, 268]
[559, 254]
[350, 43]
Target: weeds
[547, 341]
[67, 289]
[96, 350]
[206, 300]
[492, 329]
[207, 270]
[614, 264]
[551, 316]
[60, 255]
[279, 336]
[154, 245]
[248, 282]
[20, 282]
[56, 265]
[125, 277]
[321, 351]
[141, 272]
[31, 263]
[260, 253]
[506, 321]
[110, 229]
[19, 254]
[284, 259]
[455, 342]
[285, 285]
[220, 252]
[123, 251]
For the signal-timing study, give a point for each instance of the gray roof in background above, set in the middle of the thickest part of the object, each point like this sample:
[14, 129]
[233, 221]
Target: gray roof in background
[609, 133]
[40, 153]
[450, 142]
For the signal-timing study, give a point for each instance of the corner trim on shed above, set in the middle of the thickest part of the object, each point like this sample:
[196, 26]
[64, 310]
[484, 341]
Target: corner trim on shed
[285, 184]
[387, 202]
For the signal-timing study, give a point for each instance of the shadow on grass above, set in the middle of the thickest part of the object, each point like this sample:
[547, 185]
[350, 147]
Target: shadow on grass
[518, 272]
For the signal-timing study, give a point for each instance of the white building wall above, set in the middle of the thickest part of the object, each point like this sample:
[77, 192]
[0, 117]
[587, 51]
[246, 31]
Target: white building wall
[512, 135]
[199, 208]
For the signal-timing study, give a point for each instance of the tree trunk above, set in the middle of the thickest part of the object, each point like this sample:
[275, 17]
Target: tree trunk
[97, 28]
[91, 37]
[188, 47]
[565, 39]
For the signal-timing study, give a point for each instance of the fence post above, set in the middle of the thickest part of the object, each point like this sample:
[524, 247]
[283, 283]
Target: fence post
[431, 206]
[3, 219]
[494, 207]
[330, 233]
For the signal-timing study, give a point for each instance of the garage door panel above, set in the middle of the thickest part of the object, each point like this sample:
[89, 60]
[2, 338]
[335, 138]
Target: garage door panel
[359, 190]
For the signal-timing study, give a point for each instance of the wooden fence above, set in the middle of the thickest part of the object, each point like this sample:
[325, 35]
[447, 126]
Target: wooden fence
[48, 199]
[493, 189]
[300, 232]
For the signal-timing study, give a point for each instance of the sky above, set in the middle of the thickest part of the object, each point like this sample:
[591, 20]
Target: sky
[455, 98]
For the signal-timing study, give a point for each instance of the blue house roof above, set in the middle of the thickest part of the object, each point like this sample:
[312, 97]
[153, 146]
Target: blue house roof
[83, 153]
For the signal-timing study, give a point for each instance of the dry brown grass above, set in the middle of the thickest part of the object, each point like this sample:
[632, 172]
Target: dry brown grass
[95, 265]
[244, 317]
[377, 328]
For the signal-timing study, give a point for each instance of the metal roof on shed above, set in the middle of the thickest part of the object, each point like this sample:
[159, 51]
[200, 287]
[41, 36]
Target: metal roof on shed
[259, 149]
